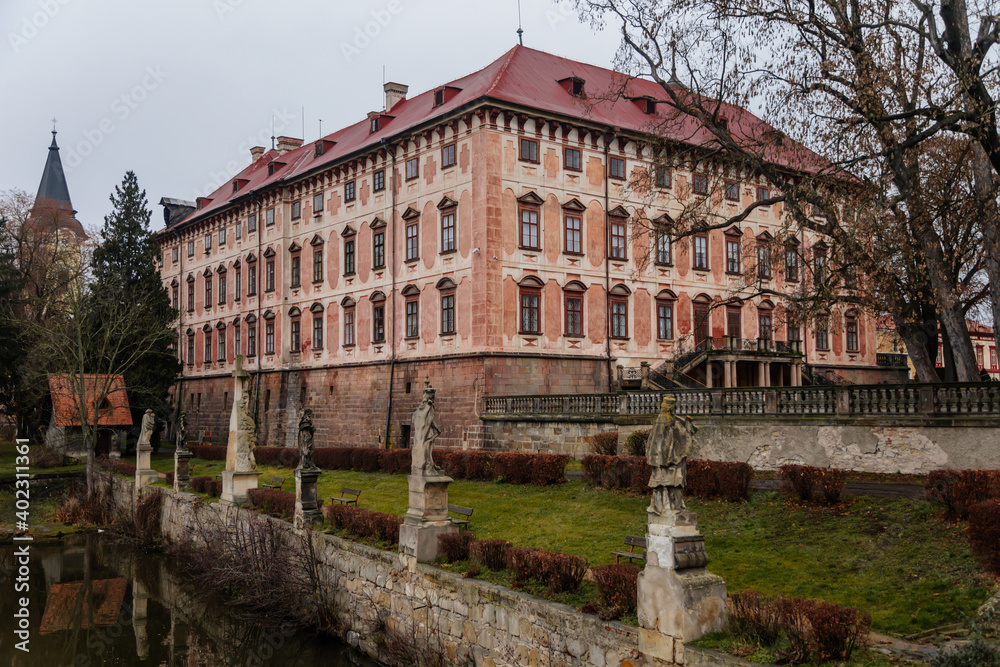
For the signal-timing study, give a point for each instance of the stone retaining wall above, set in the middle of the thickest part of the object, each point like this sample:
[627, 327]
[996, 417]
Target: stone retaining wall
[378, 594]
[867, 445]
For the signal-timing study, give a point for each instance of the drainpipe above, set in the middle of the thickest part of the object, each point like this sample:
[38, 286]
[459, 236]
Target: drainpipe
[260, 233]
[608, 138]
[392, 296]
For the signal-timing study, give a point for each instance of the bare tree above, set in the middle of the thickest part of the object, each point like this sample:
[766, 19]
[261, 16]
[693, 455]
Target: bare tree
[868, 84]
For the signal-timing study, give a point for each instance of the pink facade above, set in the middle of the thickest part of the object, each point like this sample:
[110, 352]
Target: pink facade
[462, 227]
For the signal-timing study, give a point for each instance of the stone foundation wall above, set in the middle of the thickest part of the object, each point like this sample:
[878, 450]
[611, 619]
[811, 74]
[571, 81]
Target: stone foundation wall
[860, 444]
[377, 594]
[349, 402]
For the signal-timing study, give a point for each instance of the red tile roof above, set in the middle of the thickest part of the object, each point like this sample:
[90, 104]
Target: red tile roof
[112, 403]
[528, 78]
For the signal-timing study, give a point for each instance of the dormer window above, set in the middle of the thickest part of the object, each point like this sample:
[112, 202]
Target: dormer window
[649, 105]
[439, 97]
[236, 186]
[375, 125]
[724, 122]
[270, 169]
[573, 86]
[319, 148]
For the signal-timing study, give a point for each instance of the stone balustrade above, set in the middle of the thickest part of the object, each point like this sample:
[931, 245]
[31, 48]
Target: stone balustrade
[972, 401]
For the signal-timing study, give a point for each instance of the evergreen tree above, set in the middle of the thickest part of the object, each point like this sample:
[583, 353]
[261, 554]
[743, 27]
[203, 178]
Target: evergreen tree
[12, 350]
[124, 270]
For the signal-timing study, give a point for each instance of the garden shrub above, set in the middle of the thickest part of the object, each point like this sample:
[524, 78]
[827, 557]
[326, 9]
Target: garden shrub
[806, 481]
[604, 443]
[753, 618]
[339, 515]
[477, 465]
[198, 483]
[288, 457]
[364, 523]
[46, 457]
[958, 490]
[641, 472]
[618, 474]
[395, 461]
[702, 480]
[831, 484]
[976, 653]
[547, 469]
[813, 630]
[333, 458]
[562, 572]
[454, 547]
[984, 533]
[635, 444]
[214, 487]
[492, 554]
[452, 462]
[719, 480]
[594, 466]
[617, 585]
[521, 563]
[513, 467]
[836, 629]
[798, 480]
[280, 504]
[208, 452]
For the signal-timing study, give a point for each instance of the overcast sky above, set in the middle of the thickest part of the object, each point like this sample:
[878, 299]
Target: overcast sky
[178, 90]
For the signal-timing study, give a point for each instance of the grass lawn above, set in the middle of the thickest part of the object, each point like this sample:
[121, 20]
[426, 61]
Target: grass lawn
[894, 558]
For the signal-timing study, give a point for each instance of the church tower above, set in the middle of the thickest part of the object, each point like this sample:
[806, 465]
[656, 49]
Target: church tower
[53, 209]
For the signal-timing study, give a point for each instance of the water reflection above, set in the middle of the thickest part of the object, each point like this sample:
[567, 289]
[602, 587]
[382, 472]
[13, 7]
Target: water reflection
[94, 601]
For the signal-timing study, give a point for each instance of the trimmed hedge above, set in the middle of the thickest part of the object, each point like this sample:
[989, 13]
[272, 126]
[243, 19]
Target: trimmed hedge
[492, 554]
[958, 490]
[984, 533]
[510, 467]
[364, 523]
[617, 585]
[118, 466]
[604, 444]
[806, 481]
[208, 452]
[561, 572]
[454, 547]
[711, 480]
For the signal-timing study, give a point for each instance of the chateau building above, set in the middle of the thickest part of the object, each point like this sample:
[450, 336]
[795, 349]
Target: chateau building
[486, 234]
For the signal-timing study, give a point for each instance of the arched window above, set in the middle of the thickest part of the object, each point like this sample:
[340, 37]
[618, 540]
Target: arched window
[377, 300]
[411, 294]
[665, 302]
[573, 293]
[734, 320]
[701, 318]
[765, 320]
[530, 299]
[851, 329]
[618, 299]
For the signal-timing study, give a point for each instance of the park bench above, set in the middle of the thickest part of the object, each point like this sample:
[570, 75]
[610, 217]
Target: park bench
[632, 542]
[464, 511]
[274, 483]
[345, 496]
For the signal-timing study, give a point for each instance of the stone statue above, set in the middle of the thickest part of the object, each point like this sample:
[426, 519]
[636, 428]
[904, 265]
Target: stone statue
[246, 439]
[667, 448]
[148, 425]
[180, 427]
[425, 432]
[306, 432]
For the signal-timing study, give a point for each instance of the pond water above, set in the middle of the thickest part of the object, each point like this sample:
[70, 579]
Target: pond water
[95, 601]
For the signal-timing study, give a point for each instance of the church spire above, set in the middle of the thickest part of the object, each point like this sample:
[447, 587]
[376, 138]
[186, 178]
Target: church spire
[53, 184]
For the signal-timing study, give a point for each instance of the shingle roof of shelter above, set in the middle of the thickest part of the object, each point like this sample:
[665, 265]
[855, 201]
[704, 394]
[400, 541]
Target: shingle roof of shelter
[105, 395]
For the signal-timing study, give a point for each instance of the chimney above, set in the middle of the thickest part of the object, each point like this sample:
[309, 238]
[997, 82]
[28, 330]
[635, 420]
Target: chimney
[286, 144]
[256, 153]
[394, 94]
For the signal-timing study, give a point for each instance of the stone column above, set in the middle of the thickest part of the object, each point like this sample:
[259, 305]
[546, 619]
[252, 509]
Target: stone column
[644, 369]
[708, 374]
[728, 374]
[306, 500]
[182, 470]
[760, 374]
[767, 373]
[144, 473]
[241, 471]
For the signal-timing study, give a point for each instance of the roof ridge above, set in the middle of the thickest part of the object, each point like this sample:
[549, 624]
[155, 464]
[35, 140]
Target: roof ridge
[503, 69]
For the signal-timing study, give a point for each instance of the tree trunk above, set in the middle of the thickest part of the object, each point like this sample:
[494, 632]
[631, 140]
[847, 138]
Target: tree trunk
[915, 340]
[88, 443]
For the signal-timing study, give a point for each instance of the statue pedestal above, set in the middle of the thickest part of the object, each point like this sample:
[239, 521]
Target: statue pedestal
[182, 470]
[306, 501]
[236, 484]
[678, 599]
[144, 474]
[427, 517]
